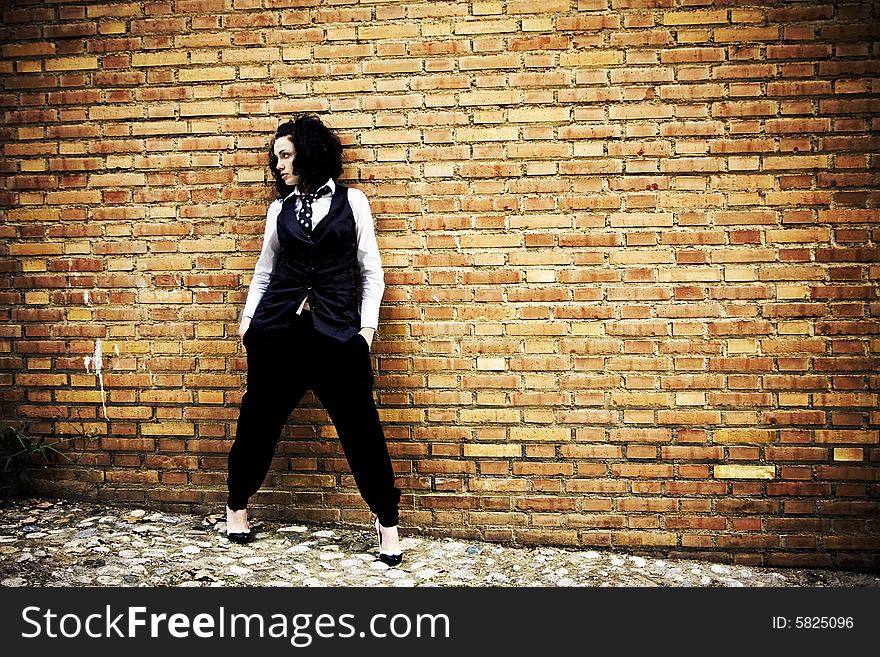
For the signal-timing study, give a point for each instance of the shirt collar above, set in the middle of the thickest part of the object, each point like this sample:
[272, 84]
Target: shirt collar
[330, 183]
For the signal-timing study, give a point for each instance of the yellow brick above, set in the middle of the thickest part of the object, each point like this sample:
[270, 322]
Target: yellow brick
[341, 34]
[849, 454]
[79, 396]
[211, 397]
[505, 450]
[397, 32]
[742, 346]
[542, 7]
[745, 471]
[210, 330]
[166, 58]
[114, 9]
[690, 399]
[34, 249]
[206, 74]
[34, 265]
[164, 296]
[86, 429]
[540, 276]
[79, 315]
[209, 245]
[508, 97]
[442, 380]
[342, 86]
[36, 298]
[792, 292]
[794, 399]
[487, 134]
[33, 165]
[26, 66]
[112, 27]
[491, 399]
[294, 53]
[681, 275]
[591, 58]
[251, 55]
[532, 24]
[489, 416]
[489, 62]
[496, 364]
[485, 27]
[42, 214]
[497, 484]
[106, 113]
[804, 235]
[641, 257]
[796, 162]
[793, 328]
[744, 435]
[688, 328]
[638, 219]
[740, 274]
[406, 416]
[694, 17]
[168, 429]
[118, 180]
[487, 8]
[539, 115]
[592, 329]
[393, 66]
[140, 347]
[70, 63]
[29, 49]
[490, 241]
[438, 29]
[391, 136]
[536, 416]
[555, 434]
[441, 170]
[209, 108]
[169, 347]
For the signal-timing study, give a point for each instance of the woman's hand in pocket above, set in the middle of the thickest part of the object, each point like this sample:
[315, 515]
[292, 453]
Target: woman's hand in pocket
[243, 327]
[367, 334]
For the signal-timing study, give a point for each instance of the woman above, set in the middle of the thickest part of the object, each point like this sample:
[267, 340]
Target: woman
[304, 328]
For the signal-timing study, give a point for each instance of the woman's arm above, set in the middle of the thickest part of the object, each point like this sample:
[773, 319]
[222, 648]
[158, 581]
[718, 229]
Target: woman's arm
[265, 266]
[369, 262]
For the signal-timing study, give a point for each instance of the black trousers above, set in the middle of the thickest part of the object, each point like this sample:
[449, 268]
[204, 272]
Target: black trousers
[282, 365]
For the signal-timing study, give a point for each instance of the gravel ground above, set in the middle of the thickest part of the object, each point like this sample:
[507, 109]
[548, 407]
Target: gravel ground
[62, 543]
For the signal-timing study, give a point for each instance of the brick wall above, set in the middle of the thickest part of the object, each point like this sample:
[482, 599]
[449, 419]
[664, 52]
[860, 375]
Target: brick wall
[630, 249]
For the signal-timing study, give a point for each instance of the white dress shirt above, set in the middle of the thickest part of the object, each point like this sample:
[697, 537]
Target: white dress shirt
[369, 262]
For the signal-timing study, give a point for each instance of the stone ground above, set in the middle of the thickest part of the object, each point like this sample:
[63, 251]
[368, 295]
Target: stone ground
[62, 543]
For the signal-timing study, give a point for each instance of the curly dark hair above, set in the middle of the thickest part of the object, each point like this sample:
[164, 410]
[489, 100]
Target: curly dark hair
[318, 154]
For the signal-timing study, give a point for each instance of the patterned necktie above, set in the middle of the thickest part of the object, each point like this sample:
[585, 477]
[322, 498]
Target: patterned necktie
[305, 208]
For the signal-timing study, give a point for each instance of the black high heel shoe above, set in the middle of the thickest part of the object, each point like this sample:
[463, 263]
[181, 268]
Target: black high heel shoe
[388, 558]
[237, 537]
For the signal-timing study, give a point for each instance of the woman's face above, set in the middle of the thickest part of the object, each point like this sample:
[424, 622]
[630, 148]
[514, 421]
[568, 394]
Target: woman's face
[285, 153]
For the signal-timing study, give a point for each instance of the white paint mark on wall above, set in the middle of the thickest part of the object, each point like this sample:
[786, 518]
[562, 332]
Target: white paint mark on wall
[98, 361]
[86, 299]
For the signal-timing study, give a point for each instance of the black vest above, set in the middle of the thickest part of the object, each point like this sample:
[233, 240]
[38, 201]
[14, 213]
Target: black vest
[322, 267]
